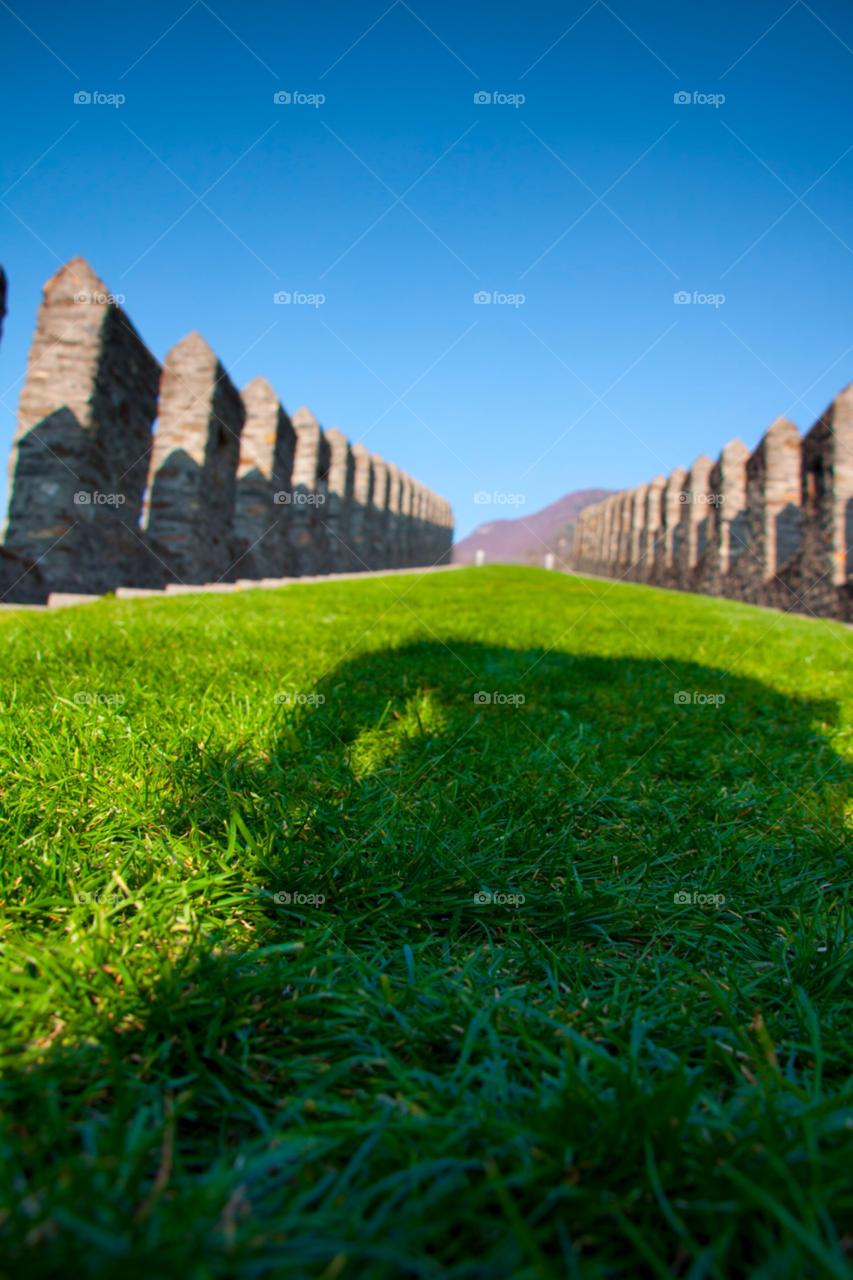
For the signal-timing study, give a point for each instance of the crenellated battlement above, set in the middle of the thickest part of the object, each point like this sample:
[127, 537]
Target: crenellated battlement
[227, 488]
[774, 527]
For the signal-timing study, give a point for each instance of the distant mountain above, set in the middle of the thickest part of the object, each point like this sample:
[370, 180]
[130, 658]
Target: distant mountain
[526, 539]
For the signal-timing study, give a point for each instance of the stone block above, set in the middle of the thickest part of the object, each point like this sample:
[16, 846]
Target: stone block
[79, 459]
[393, 518]
[306, 526]
[651, 545]
[636, 567]
[726, 518]
[418, 533]
[692, 538]
[358, 541]
[624, 507]
[192, 480]
[826, 558]
[339, 500]
[773, 495]
[671, 531]
[405, 521]
[379, 513]
[65, 599]
[264, 480]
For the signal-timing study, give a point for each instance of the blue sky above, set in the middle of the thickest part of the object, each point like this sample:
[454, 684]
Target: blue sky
[400, 197]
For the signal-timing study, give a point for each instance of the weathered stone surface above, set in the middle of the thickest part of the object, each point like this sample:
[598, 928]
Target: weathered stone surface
[192, 479]
[80, 454]
[393, 519]
[652, 538]
[624, 508]
[214, 470]
[616, 529]
[587, 538]
[359, 525]
[264, 478]
[307, 531]
[692, 536]
[773, 490]
[21, 579]
[826, 559]
[604, 531]
[726, 518]
[636, 571]
[428, 509]
[419, 525]
[626, 538]
[404, 527]
[666, 565]
[447, 534]
[775, 527]
[612, 529]
[379, 513]
[339, 499]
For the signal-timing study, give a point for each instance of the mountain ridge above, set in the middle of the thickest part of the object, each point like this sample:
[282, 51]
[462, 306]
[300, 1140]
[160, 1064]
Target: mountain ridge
[526, 539]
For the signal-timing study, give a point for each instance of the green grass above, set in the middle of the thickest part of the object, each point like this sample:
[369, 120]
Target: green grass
[201, 1081]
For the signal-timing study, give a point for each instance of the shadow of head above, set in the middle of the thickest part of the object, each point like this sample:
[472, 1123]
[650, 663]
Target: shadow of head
[463, 748]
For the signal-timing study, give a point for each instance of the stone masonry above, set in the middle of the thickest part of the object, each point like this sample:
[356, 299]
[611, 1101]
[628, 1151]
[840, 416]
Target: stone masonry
[308, 536]
[267, 449]
[339, 496]
[228, 487]
[774, 527]
[79, 459]
[192, 480]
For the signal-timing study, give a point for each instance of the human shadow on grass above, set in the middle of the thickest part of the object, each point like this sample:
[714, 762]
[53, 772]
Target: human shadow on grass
[535, 727]
[468, 768]
[400, 812]
[402, 801]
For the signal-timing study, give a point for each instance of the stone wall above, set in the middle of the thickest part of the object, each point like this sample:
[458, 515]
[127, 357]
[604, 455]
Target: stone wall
[79, 458]
[227, 487]
[774, 527]
[264, 474]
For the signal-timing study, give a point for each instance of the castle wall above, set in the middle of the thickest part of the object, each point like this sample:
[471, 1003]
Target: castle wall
[264, 475]
[228, 487]
[79, 458]
[774, 527]
[192, 479]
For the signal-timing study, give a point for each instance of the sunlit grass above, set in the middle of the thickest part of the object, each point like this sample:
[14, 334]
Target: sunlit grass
[201, 1080]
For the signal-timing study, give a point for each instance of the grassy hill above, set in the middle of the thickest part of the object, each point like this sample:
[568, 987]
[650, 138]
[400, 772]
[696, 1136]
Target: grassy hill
[399, 983]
